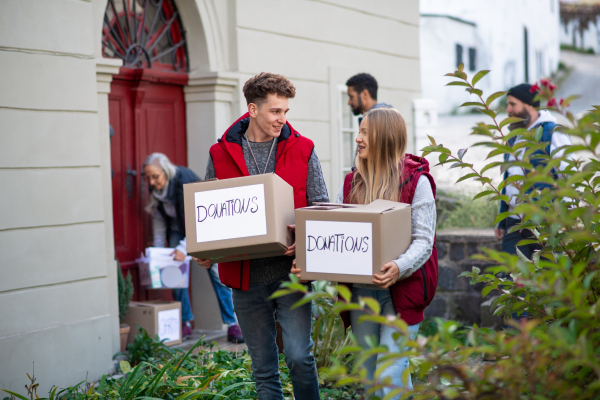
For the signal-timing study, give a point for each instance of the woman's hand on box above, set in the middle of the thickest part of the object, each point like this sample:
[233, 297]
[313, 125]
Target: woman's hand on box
[389, 276]
[204, 263]
[291, 251]
[178, 256]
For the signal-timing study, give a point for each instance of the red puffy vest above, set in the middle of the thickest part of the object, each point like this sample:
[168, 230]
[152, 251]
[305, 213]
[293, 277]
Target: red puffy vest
[293, 153]
[413, 294]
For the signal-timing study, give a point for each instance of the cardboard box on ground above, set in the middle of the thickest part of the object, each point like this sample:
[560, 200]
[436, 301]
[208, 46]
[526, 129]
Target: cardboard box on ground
[239, 218]
[350, 242]
[157, 318]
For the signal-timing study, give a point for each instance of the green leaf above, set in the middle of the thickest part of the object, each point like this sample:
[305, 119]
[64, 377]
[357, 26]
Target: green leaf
[476, 92]
[493, 97]
[458, 83]
[432, 140]
[489, 113]
[538, 133]
[15, 394]
[461, 153]
[478, 76]
[509, 120]
[490, 165]
[472, 104]
[486, 290]
[484, 193]
[125, 366]
[344, 292]
[371, 303]
[467, 176]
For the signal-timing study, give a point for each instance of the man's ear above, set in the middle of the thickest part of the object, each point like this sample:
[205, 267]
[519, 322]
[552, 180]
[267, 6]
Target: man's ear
[365, 96]
[252, 110]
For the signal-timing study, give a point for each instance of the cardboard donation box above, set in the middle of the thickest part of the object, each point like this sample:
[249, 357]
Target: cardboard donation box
[157, 318]
[350, 242]
[158, 270]
[239, 218]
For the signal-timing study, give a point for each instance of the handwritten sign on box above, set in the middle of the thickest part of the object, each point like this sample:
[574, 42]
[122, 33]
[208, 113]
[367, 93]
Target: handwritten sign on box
[168, 325]
[336, 247]
[230, 213]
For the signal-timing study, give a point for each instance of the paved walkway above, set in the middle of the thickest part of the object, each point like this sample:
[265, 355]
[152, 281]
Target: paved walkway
[584, 80]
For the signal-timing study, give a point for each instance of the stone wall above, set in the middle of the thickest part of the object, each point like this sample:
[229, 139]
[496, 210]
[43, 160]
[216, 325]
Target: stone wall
[456, 298]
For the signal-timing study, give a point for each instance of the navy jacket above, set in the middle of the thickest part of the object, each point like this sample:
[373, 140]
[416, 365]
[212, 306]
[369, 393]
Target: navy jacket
[175, 195]
[548, 128]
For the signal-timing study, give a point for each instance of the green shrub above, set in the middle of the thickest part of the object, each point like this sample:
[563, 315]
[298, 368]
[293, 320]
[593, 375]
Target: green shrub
[553, 353]
[125, 289]
[461, 211]
[145, 348]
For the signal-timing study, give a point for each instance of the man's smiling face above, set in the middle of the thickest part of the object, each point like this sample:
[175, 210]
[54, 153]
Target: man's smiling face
[271, 115]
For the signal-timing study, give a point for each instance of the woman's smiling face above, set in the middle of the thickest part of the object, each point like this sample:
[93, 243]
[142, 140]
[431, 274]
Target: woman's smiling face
[363, 140]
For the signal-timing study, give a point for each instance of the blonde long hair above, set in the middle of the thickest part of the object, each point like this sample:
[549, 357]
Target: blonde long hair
[378, 177]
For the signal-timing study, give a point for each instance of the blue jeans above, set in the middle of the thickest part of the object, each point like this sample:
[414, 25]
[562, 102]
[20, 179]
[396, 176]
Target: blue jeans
[223, 292]
[182, 294]
[510, 240]
[223, 296]
[256, 316]
[384, 337]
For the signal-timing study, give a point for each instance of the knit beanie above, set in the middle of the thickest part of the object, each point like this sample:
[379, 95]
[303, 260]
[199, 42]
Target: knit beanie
[523, 92]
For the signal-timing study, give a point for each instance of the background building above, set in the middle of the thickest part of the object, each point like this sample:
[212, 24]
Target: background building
[580, 25]
[518, 40]
[76, 127]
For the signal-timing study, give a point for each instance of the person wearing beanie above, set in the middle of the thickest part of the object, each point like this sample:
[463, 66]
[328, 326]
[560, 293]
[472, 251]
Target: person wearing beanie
[522, 104]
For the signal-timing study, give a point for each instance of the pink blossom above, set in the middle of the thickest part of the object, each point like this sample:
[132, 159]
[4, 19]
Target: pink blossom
[534, 88]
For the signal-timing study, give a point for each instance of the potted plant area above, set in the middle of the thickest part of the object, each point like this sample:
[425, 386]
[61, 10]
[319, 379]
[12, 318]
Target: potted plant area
[125, 294]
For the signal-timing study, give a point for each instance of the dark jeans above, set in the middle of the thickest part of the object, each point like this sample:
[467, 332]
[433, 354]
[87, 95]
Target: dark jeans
[256, 316]
[509, 245]
[510, 240]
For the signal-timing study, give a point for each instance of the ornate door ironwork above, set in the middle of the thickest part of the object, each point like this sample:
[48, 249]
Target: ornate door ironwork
[145, 34]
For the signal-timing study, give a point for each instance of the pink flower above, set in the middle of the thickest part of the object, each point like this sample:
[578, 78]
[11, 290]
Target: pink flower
[545, 81]
[561, 102]
[534, 88]
[551, 103]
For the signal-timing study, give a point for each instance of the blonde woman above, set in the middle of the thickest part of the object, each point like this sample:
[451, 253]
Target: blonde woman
[406, 285]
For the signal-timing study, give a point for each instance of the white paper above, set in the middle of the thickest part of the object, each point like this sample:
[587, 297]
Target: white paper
[168, 325]
[230, 213]
[339, 247]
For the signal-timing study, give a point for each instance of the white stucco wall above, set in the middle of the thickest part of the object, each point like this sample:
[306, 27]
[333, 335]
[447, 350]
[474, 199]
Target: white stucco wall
[58, 272]
[499, 32]
[320, 44]
[58, 296]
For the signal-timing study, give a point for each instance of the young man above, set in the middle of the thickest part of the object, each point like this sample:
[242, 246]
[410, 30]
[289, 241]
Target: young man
[262, 141]
[362, 94]
[521, 104]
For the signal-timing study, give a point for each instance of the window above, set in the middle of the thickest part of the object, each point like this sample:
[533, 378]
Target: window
[459, 55]
[472, 59]
[348, 124]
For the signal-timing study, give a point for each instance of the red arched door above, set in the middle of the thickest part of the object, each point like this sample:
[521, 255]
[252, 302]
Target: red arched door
[146, 113]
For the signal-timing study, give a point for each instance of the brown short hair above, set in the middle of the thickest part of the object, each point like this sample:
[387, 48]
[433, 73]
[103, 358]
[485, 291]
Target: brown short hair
[260, 86]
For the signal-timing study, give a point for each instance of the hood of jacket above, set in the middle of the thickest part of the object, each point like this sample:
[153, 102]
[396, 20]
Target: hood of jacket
[545, 116]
